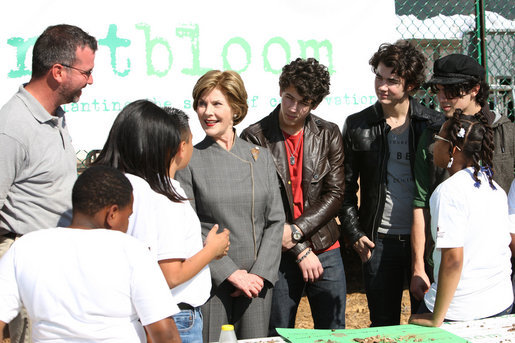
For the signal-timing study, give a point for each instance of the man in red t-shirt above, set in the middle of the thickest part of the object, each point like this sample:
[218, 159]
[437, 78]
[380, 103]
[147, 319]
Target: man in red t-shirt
[308, 155]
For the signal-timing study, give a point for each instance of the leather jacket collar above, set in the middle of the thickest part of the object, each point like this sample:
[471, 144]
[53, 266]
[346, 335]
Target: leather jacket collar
[413, 112]
[280, 155]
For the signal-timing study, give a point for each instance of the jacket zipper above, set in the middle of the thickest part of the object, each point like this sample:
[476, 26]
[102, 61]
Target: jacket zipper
[381, 179]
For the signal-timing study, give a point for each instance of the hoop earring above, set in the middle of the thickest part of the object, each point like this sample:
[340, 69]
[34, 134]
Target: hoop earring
[450, 162]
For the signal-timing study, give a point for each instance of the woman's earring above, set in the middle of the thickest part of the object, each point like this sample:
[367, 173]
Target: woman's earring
[450, 162]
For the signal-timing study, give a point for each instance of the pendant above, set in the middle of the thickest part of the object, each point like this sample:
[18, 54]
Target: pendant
[292, 160]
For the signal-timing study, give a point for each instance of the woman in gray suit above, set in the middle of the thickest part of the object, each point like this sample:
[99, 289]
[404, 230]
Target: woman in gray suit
[234, 184]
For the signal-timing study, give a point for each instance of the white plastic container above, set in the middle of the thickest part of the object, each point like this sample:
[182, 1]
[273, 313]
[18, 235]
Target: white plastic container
[227, 334]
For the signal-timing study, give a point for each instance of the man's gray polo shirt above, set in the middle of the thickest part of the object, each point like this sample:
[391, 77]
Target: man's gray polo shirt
[37, 166]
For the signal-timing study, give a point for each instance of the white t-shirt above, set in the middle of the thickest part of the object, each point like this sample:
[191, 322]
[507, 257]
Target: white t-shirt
[170, 230]
[83, 286]
[511, 206]
[463, 215]
[511, 210]
[146, 224]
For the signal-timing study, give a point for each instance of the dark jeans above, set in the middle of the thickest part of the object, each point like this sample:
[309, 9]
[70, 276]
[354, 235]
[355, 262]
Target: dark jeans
[385, 275]
[326, 296]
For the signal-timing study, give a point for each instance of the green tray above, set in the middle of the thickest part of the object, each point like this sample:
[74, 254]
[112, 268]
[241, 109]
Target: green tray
[398, 333]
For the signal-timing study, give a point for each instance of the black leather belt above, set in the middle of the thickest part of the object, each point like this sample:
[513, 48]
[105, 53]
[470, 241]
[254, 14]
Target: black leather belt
[401, 238]
[184, 306]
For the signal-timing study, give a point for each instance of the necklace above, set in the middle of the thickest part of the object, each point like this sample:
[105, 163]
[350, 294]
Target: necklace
[292, 154]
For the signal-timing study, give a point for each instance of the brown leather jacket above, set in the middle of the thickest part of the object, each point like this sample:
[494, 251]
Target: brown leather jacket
[322, 176]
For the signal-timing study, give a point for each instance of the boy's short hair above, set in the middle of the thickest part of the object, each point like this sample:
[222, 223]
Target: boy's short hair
[310, 78]
[181, 121]
[458, 74]
[405, 59]
[99, 187]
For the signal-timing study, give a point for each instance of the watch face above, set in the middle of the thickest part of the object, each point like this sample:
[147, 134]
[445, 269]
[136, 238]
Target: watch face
[297, 236]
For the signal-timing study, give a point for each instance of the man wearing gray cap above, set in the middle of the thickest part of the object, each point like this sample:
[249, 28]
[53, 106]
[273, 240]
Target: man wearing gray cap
[459, 84]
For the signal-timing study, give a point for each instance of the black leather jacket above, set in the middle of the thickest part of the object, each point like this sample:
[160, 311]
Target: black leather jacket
[322, 176]
[366, 156]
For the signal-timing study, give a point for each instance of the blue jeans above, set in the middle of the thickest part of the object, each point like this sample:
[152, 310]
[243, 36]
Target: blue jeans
[327, 295]
[385, 275]
[189, 324]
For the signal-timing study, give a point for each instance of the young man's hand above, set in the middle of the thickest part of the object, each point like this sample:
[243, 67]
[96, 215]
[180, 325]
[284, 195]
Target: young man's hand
[419, 285]
[363, 247]
[288, 243]
[310, 266]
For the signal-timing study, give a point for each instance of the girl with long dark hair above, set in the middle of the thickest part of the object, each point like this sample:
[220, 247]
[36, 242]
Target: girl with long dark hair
[149, 144]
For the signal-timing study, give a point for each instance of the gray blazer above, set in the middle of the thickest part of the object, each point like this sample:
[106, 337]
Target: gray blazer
[238, 190]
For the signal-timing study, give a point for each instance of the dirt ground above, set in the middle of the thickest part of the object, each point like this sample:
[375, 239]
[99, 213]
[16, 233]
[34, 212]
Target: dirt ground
[356, 314]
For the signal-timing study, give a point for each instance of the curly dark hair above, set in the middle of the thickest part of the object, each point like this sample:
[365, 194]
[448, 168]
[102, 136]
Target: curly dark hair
[98, 187]
[310, 78]
[405, 59]
[477, 142]
[457, 90]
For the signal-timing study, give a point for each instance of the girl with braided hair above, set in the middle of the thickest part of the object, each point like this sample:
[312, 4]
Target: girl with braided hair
[470, 226]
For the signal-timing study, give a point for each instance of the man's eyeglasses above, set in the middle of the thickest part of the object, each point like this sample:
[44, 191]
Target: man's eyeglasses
[446, 140]
[83, 72]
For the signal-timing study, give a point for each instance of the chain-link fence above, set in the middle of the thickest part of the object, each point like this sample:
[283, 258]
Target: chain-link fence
[483, 29]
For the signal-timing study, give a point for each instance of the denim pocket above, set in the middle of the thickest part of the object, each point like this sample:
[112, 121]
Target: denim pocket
[184, 320]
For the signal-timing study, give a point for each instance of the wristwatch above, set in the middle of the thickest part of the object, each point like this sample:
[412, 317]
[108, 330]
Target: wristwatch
[296, 235]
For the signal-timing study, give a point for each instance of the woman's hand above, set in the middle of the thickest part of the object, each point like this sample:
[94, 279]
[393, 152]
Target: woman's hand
[257, 283]
[240, 280]
[247, 284]
[219, 242]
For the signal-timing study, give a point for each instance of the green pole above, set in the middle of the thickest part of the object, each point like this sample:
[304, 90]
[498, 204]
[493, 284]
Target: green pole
[481, 34]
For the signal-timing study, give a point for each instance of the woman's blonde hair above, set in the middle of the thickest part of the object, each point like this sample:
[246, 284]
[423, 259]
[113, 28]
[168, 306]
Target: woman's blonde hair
[230, 84]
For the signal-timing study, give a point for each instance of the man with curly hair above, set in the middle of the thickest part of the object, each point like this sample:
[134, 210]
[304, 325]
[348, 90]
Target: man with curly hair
[308, 155]
[380, 144]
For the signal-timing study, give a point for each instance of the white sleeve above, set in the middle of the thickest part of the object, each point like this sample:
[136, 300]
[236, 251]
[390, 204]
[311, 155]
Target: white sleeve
[150, 294]
[451, 219]
[10, 302]
[173, 230]
[511, 206]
